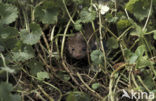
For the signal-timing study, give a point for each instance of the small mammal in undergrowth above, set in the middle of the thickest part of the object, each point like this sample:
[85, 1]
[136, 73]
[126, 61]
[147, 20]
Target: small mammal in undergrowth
[77, 46]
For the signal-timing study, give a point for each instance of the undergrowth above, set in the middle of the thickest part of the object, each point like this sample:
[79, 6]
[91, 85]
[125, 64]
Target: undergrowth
[33, 61]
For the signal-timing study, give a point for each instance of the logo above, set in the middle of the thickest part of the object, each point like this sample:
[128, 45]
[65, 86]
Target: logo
[125, 94]
[137, 95]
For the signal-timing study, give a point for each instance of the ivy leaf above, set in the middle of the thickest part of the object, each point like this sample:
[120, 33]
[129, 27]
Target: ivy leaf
[63, 75]
[77, 25]
[127, 53]
[143, 62]
[112, 43]
[133, 58]
[109, 17]
[47, 15]
[33, 37]
[95, 86]
[42, 75]
[52, 3]
[8, 32]
[87, 16]
[148, 81]
[22, 55]
[130, 56]
[139, 8]
[154, 36]
[15, 98]
[35, 66]
[97, 57]
[140, 50]
[5, 93]
[8, 13]
[139, 32]
[8, 43]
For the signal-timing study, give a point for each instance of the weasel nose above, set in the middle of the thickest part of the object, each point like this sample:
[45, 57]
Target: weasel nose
[78, 56]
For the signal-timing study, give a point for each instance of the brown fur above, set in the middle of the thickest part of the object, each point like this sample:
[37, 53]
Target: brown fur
[77, 46]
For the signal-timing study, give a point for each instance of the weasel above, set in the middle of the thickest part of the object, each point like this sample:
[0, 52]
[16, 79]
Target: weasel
[77, 46]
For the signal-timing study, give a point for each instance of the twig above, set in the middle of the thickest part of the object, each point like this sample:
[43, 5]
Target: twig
[45, 40]
[45, 83]
[93, 92]
[148, 15]
[68, 12]
[101, 40]
[49, 97]
[68, 71]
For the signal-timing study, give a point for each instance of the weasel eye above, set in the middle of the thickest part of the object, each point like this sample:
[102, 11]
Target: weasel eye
[73, 49]
[83, 49]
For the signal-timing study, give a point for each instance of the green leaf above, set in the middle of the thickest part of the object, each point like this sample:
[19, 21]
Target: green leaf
[109, 17]
[22, 55]
[133, 58]
[148, 81]
[140, 50]
[139, 32]
[35, 66]
[128, 53]
[87, 16]
[47, 14]
[8, 13]
[19, 46]
[9, 43]
[77, 96]
[33, 37]
[122, 24]
[42, 75]
[5, 93]
[130, 56]
[97, 57]
[63, 75]
[15, 98]
[77, 25]
[154, 36]
[112, 43]
[143, 62]
[7, 87]
[139, 8]
[53, 3]
[95, 86]
[8, 32]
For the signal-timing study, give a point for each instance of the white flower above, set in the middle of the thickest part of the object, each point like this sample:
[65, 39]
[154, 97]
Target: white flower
[103, 9]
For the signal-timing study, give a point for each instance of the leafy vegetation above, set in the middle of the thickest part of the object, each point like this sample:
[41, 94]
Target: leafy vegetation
[34, 64]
